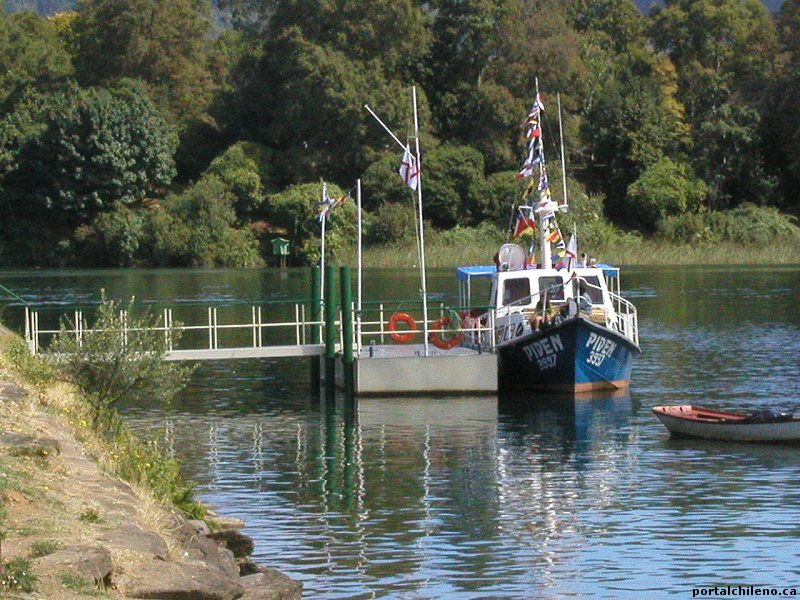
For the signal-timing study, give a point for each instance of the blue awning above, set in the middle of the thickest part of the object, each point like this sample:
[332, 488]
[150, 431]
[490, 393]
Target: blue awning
[609, 270]
[465, 273]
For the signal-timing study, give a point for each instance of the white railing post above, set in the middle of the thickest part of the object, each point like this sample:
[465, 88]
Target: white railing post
[216, 330]
[210, 330]
[253, 319]
[297, 324]
[303, 320]
[383, 338]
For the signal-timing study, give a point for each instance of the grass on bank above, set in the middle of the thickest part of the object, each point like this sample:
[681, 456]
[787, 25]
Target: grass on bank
[96, 422]
[635, 252]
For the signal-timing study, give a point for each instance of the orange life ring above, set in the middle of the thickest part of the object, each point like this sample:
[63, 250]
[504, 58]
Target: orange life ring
[402, 338]
[436, 338]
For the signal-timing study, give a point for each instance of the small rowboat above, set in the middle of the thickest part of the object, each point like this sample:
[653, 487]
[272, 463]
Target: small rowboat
[698, 422]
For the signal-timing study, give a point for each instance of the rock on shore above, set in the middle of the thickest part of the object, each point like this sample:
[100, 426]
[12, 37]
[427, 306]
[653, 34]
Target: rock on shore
[131, 547]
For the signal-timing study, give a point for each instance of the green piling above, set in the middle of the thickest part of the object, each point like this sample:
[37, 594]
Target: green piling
[347, 331]
[316, 330]
[331, 332]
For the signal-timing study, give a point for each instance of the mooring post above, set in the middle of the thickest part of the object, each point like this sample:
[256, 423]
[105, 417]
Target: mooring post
[347, 331]
[316, 328]
[331, 332]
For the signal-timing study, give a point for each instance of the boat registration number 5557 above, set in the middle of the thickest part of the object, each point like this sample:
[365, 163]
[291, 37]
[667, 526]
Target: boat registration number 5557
[600, 349]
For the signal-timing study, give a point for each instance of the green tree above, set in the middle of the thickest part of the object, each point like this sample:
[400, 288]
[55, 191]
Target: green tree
[782, 119]
[199, 228]
[296, 211]
[452, 179]
[32, 57]
[94, 148]
[664, 189]
[246, 169]
[455, 186]
[162, 43]
[725, 52]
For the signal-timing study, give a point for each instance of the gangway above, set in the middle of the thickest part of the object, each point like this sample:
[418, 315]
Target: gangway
[284, 329]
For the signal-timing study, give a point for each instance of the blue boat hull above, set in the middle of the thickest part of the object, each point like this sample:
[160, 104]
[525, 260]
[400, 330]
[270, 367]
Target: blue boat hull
[576, 355]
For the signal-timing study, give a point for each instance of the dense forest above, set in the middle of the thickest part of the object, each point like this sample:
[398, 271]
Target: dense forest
[181, 132]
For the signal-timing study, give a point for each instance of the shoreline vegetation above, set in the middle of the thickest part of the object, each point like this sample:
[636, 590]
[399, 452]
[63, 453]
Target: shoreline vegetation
[89, 509]
[188, 133]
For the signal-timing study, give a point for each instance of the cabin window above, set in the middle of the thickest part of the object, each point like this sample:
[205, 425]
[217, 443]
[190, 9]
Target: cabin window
[553, 287]
[592, 288]
[516, 289]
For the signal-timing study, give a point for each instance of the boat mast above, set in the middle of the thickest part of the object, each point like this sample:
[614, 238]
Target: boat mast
[563, 160]
[538, 207]
[359, 260]
[423, 278]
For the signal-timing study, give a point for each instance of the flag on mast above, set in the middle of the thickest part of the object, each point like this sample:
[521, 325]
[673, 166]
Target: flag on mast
[408, 169]
[523, 224]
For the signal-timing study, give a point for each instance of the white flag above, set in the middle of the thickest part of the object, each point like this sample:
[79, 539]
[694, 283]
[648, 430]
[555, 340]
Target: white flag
[572, 252]
[408, 170]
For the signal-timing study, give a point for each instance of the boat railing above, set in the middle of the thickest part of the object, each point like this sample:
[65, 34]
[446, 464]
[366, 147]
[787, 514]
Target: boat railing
[620, 315]
[372, 325]
[625, 318]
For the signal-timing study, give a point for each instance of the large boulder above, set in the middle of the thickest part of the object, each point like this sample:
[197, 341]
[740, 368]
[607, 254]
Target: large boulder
[133, 538]
[178, 581]
[266, 583]
[234, 540]
[92, 562]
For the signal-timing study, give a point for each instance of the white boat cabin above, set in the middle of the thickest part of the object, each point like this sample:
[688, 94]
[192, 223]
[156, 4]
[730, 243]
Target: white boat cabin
[523, 300]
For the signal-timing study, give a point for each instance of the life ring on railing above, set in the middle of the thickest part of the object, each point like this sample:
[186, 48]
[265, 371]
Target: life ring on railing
[402, 337]
[436, 338]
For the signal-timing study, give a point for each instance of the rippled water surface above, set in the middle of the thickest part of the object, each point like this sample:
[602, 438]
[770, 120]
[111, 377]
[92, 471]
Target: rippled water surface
[521, 496]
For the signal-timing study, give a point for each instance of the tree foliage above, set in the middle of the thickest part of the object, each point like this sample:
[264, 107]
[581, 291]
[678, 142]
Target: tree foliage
[700, 95]
[162, 43]
[91, 148]
[664, 189]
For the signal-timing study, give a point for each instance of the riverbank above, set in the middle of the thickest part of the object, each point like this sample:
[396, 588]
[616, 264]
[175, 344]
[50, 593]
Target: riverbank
[70, 529]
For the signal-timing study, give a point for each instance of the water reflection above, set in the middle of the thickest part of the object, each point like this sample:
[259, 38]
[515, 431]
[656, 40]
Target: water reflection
[517, 496]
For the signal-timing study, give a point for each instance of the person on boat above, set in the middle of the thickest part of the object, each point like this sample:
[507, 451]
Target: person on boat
[584, 298]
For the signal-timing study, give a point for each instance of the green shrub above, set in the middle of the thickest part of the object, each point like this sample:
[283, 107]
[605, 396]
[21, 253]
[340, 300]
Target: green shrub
[90, 515]
[34, 371]
[17, 576]
[747, 224]
[664, 189]
[199, 228]
[120, 358]
[42, 548]
[115, 238]
[392, 222]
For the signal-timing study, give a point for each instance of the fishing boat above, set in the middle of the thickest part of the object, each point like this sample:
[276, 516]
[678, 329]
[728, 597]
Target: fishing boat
[558, 323]
[762, 426]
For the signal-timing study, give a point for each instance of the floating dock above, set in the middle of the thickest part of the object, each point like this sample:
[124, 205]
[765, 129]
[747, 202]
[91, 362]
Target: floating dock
[396, 370]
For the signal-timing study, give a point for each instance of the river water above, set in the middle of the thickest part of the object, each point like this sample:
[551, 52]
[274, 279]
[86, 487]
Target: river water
[509, 497]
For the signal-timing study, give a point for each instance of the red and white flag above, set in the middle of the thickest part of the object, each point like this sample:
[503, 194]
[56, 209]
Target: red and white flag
[408, 170]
